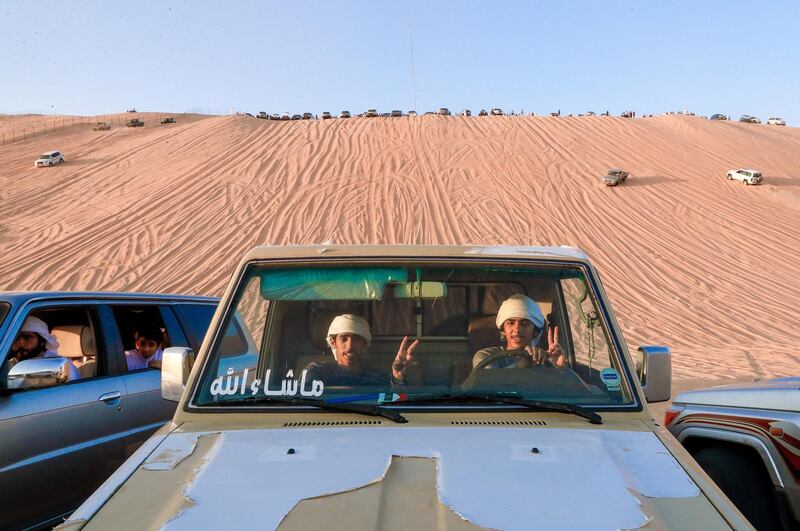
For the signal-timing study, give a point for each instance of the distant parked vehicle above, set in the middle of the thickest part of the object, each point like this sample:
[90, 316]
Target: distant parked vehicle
[746, 118]
[615, 176]
[371, 113]
[497, 112]
[263, 115]
[170, 120]
[101, 126]
[627, 114]
[411, 113]
[134, 123]
[285, 116]
[483, 113]
[131, 110]
[396, 113]
[746, 176]
[248, 114]
[776, 121]
[385, 115]
[344, 114]
[443, 111]
[297, 117]
[274, 116]
[590, 113]
[326, 115]
[307, 116]
[718, 117]
[49, 158]
[466, 112]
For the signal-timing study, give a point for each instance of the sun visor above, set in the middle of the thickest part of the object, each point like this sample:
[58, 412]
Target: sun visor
[329, 284]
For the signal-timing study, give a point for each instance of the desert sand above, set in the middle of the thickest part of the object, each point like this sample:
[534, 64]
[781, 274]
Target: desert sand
[689, 259]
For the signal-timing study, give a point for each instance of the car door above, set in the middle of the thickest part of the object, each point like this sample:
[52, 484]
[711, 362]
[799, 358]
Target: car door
[60, 443]
[147, 410]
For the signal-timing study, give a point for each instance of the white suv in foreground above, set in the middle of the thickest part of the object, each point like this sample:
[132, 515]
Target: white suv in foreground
[366, 387]
[48, 159]
[746, 176]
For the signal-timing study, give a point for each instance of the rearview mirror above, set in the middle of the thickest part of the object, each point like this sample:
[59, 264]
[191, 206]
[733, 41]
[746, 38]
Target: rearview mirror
[654, 368]
[420, 290]
[176, 364]
[36, 373]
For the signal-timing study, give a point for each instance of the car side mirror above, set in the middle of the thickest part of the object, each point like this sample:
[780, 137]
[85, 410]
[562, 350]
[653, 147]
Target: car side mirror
[654, 368]
[37, 373]
[176, 364]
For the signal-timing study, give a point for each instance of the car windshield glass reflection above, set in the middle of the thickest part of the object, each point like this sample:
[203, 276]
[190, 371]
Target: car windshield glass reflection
[385, 335]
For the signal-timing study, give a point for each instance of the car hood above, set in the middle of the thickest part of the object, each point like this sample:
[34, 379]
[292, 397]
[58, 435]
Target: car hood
[410, 478]
[781, 394]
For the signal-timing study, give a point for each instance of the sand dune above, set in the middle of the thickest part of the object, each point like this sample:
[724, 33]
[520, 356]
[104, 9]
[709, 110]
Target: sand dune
[689, 259]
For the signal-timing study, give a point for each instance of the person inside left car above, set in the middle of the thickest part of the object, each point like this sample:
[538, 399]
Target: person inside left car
[35, 341]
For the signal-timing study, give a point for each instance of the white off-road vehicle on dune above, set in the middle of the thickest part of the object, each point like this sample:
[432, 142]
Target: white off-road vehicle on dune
[367, 387]
[49, 158]
[746, 176]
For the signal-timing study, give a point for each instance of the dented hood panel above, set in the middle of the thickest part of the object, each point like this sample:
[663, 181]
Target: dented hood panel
[449, 478]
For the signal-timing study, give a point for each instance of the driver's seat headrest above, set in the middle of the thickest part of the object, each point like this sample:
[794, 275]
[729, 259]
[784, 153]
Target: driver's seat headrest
[75, 341]
[482, 332]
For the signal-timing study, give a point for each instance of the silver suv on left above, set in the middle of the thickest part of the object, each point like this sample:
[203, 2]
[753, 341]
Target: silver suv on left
[61, 436]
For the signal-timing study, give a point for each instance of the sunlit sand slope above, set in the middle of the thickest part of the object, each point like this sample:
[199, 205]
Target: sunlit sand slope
[690, 259]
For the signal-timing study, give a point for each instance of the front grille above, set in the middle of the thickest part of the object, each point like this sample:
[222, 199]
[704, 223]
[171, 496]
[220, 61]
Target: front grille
[498, 423]
[333, 423]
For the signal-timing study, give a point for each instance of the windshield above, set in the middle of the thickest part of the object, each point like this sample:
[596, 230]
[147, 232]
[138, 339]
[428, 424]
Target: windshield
[394, 333]
[4, 307]
[45, 156]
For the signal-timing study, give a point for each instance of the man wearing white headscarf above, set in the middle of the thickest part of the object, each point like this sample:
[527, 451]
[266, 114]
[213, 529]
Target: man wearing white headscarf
[521, 325]
[348, 337]
[35, 341]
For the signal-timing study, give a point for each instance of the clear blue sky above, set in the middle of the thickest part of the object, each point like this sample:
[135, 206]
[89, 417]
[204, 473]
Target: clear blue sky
[93, 57]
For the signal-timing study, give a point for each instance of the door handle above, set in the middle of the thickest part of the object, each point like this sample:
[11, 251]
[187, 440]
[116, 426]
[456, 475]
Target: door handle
[110, 397]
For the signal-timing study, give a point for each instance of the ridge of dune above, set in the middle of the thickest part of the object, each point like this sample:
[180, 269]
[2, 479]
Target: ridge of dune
[689, 259]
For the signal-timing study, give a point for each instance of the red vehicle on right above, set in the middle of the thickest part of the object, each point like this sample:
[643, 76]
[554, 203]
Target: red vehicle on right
[747, 438]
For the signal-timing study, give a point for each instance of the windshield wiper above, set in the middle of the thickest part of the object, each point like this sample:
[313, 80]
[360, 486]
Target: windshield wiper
[372, 410]
[539, 405]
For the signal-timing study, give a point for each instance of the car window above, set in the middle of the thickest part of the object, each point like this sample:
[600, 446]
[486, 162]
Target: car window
[143, 333]
[4, 308]
[72, 333]
[197, 318]
[294, 311]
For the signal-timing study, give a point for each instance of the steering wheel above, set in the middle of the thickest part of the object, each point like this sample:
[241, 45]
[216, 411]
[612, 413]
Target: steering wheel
[517, 353]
